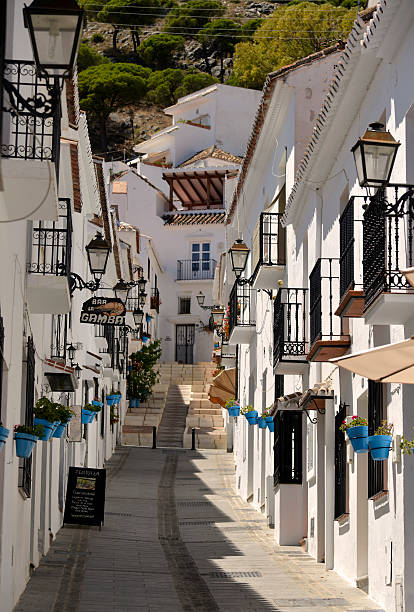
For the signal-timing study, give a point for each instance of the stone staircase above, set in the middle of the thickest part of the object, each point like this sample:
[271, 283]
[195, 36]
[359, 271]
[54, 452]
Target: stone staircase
[179, 402]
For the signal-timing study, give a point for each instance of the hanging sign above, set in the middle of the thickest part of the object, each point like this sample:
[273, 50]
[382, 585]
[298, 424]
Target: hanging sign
[106, 311]
[85, 496]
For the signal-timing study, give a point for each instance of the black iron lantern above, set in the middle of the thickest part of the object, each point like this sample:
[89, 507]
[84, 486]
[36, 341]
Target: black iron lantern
[141, 283]
[138, 315]
[200, 298]
[218, 316]
[374, 156]
[78, 371]
[71, 352]
[142, 298]
[239, 253]
[55, 28]
[98, 252]
[121, 290]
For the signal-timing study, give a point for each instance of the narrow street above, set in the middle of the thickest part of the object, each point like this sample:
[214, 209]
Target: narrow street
[177, 537]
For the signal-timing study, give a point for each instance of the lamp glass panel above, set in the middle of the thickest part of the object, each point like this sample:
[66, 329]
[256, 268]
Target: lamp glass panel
[378, 162]
[55, 38]
[97, 260]
[200, 299]
[239, 259]
[359, 165]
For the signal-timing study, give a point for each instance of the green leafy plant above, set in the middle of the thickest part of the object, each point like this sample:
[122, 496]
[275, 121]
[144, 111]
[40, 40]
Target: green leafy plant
[385, 429]
[46, 409]
[143, 374]
[158, 51]
[246, 409]
[92, 408]
[36, 430]
[230, 402]
[266, 412]
[97, 38]
[356, 421]
[64, 414]
[113, 415]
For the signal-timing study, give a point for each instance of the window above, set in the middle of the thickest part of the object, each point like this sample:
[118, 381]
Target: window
[375, 416]
[279, 386]
[25, 467]
[200, 256]
[288, 447]
[184, 305]
[148, 270]
[340, 464]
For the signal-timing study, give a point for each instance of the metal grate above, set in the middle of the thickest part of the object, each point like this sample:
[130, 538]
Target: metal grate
[189, 503]
[289, 325]
[253, 574]
[347, 241]
[191, 523]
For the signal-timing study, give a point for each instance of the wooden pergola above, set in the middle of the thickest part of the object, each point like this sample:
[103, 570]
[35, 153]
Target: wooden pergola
[197, 189]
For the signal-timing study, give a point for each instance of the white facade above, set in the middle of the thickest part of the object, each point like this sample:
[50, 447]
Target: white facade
[35, 302]
[354, 517]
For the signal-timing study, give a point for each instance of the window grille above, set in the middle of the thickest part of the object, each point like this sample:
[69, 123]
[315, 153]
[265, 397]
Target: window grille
[288, 447]
[25, 467]
[375, 416]
[184, 305]
[340, 464]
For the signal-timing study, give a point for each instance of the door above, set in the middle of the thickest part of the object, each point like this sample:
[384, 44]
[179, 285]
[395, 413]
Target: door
[184, 342]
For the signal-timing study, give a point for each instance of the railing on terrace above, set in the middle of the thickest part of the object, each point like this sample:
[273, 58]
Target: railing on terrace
[269, 241]
[241, 306]
[347, 242]
[188, 269]
[155, 299]
[388, 242]
[323, 299]
[289, 325]
[59, 336]
[26, 136]
[52, 244]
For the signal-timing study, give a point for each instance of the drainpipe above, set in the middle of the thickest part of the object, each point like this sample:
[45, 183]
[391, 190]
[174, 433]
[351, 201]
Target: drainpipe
[329, 482]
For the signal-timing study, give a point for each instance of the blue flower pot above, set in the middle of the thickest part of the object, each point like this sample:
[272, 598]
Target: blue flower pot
[59, 431]
[270, 425]
[87, 416]
[55, 425]
[144, 339]
[111, 399]
[262, 423]
[24, 444]
[379, 447]
[48, 428]
[4, 434]
[234, 411]
[97, 403]
[358, 437]
[134, 402]
[252, 417]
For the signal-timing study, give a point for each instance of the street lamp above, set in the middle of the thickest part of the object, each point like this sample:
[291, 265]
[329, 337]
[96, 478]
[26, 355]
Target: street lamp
[98, 253]
[55, 28]
[239, 253]
[121, 290]
[200, 298]
[218, 315]
[71, 352]
[374, 156]
[138, 315]
[78, 371]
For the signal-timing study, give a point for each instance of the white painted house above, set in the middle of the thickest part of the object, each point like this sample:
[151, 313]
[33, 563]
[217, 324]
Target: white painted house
[52, 202]
[333, 265]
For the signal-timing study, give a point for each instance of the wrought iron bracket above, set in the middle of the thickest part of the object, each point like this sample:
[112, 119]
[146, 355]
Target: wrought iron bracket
[243, 281]
[268, 291]
[319, 411]
[38, 105]
[208, 307]
[77, 282]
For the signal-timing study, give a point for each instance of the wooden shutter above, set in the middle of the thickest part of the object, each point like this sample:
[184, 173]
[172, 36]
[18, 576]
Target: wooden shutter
[74, 161]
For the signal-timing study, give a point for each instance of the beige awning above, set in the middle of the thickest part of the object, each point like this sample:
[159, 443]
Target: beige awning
[393, 363]
[223, 387]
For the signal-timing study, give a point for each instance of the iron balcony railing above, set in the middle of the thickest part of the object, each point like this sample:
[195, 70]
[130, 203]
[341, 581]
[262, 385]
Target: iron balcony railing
[289, 325]
[388, 242]
[189, 269]
[347, 243]
[26, 136]
[155, 299]
[323, 296]
[59, 336]
[241, 306]
[99, 330]
[51, 250]
[269, 241]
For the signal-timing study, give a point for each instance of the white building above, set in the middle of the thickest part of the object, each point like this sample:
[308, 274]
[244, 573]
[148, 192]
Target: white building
[337, 253]
[52, 202]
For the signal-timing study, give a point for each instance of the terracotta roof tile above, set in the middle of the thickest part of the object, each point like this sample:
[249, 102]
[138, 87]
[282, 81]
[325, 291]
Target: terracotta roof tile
[200, 218]
[215, 153]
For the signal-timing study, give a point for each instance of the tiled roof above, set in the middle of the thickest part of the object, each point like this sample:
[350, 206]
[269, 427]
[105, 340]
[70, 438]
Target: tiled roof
[199, 218]
[215, 153]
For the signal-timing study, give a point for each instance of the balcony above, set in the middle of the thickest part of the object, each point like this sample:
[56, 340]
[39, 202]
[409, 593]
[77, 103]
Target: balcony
[351, 294]
[155, 300]
[269, 251]
[190, 270]
[290, 343]
[242, 324]
[327, 336]
[49, 264]
[29, 145]
[228, 355]
[100, 339]
[59, 342]
[388, 247]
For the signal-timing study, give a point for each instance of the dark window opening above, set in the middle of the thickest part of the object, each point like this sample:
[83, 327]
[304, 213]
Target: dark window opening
[340, 464]
[288, 447]
[184, 305]
[25, 467]
[279, 386]
[376, 482]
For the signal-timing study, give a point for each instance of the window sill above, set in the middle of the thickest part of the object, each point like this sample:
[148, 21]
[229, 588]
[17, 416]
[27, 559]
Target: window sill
[379, 495]
[343, 518]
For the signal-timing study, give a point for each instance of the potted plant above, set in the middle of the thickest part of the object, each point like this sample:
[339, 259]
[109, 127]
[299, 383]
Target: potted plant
[357, 432]
[4, 434]
[251, 414]
[89, 412]
[262, 421]
[233, 407]
[269, 419]
[26, 437]
[46, 415]
[96, 402]
[64, 414]
[111, 399]
[113, 415]
[380, 442]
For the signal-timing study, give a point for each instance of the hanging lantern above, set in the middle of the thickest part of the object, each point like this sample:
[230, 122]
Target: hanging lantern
[239, 254]
[374, 156]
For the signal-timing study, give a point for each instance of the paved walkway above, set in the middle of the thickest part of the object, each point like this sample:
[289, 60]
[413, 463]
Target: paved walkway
[176, 537]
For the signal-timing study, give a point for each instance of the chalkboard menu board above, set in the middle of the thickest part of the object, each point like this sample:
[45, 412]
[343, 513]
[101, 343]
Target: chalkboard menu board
[85, 496]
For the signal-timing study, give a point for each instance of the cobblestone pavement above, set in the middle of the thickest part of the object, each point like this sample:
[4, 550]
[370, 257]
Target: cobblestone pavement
[176, 537]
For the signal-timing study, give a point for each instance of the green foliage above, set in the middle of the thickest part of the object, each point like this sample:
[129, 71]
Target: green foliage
[158, 51]
[63, 414]
[193, 81]
[219, 36]
[89, 57]
[356, 421]
[130, 12]
[193, 15]
[162, 85]
[292, 32]
[92, 7]
[97, 38]
[246, 409]
[36, 430]
[143, 375]
[47, 410]
[249, 28]
[92, 408]
[104, 89]
[385, 429]
[230, 402]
